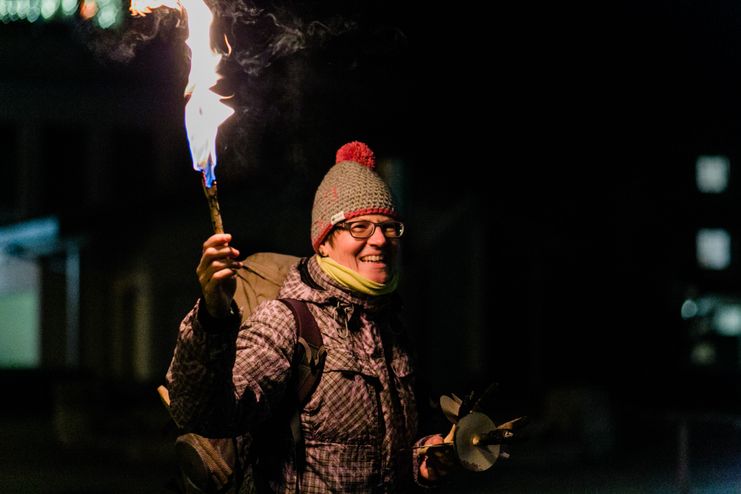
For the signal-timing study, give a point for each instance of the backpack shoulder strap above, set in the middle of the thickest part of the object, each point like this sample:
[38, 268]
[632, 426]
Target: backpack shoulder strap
[308, 363]
[311, 351]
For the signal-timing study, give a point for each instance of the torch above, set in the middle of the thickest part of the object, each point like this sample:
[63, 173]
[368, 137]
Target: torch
[213, 206]
[205, 110]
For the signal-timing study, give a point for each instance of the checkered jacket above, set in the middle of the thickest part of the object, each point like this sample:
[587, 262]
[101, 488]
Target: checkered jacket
[360, 423]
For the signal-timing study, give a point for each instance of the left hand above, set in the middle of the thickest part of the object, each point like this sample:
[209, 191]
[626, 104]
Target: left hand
[436, 463]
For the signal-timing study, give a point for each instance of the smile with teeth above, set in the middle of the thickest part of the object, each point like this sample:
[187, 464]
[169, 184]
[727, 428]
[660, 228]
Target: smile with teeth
[375, 258]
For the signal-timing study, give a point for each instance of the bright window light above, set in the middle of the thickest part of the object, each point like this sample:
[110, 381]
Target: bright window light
[8, 9]
[689, 309]
[109, 13]
[20, 289]
[34, 10]
[712, 174]
[21, 8]
[727, 320]
[49, 8]
[69, 7]
[20, 340]
[713, 248]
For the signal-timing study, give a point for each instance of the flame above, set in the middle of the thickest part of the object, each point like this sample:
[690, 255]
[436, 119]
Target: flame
[140, 8]
[204, 110]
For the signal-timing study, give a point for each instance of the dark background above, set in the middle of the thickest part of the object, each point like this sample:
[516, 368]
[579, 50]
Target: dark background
[545, 158]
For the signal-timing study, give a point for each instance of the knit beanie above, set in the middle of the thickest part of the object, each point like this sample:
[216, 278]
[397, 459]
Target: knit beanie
[351, 188]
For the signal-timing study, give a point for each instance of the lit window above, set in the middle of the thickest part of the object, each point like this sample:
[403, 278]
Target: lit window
[21, 9]
[727, 320]
[109, 13]
[713, 248]
[49, 8]
[20, 290]
[69, 7]
[689, 309]
[712, 174]
[20, 344]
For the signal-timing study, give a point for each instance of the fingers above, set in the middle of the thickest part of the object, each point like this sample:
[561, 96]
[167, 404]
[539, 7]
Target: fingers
[217, 239]
[218, 291]
[437, 463]
[217, 247]
[221, 265]
[217, 271]
[439, 458]
[436, 439]
[217, 255]
[211, 274]
[426, 472]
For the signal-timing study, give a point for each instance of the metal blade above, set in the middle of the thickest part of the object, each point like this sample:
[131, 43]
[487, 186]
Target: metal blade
[450, 407]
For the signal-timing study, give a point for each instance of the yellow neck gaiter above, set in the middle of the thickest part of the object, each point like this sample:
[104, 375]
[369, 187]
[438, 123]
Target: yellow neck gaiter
[351, 280]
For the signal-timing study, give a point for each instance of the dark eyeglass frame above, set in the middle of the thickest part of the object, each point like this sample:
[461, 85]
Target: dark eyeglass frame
[392, 226]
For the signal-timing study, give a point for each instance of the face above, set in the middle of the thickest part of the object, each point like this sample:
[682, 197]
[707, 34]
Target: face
[373, 257]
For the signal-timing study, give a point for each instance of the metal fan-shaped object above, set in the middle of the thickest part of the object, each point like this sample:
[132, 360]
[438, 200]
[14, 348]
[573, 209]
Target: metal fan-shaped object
[450, 407]
[476, 440]
[472, 453]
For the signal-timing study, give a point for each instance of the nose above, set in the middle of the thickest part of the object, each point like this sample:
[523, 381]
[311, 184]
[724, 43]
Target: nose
[378, 238]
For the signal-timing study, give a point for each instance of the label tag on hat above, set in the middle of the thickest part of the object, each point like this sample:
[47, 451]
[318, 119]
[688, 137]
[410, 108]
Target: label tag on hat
[337, 217]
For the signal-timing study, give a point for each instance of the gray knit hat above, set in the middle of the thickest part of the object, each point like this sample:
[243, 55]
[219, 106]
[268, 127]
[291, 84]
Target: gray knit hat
[350, 188]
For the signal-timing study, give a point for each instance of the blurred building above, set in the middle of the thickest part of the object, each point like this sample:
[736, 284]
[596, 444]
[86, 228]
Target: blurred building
[572, 223]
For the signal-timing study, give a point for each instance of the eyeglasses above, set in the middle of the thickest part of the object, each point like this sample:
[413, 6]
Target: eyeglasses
[366, 229]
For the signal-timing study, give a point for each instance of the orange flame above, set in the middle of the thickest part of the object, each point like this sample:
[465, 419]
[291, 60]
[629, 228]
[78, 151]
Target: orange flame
[205, 110]
[140, 8]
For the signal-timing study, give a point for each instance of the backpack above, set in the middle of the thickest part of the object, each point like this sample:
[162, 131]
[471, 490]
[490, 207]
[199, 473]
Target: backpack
[209, 465]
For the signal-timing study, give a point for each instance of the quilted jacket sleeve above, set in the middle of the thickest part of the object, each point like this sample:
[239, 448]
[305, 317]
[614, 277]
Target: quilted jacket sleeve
[223, 377]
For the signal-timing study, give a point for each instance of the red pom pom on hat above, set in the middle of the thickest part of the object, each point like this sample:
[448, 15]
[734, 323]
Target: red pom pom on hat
[358, 152]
